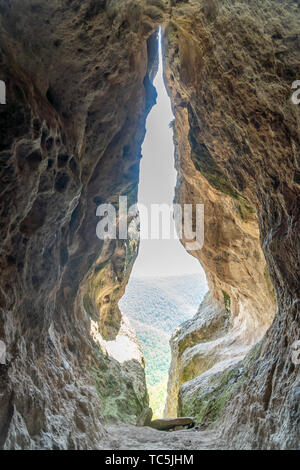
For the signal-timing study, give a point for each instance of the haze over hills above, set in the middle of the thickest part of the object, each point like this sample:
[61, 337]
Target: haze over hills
[155, 307]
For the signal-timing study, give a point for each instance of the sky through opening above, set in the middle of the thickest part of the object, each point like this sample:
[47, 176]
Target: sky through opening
[157, 185]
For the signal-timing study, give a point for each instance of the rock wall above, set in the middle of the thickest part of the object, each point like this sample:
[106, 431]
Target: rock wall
[232, 257]
[78, 77]
[120, 380]
[229, 70]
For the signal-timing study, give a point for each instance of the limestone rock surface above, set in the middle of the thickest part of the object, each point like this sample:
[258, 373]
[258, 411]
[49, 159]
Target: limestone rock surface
[229, 70]
[78, 76]
[78, 84]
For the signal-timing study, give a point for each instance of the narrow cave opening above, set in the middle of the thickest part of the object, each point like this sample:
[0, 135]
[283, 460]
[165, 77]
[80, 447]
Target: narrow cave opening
[167, 284]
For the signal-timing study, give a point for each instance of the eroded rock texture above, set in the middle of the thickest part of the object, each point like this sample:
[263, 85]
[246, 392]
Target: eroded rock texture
[78, 76]
[230, 67]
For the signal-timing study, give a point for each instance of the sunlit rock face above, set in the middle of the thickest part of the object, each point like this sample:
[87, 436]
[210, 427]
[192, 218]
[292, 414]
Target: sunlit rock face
[229, 70]
[78, 92]
[242, 293]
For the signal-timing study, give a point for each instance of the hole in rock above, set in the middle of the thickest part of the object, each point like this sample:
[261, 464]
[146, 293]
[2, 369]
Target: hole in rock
[167, 284]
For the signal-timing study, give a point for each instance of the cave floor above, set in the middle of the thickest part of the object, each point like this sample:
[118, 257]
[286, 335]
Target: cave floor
[127, 437]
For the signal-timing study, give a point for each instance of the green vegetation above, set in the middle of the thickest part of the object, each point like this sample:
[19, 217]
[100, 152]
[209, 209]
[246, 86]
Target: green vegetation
[88, 306]
[204, 163]
[119, 398]
[227, 301]
[157, 397]
[155, 345]
[213, 408]
[244, 209]
[155, 307]
[222, 386]
[210, 405]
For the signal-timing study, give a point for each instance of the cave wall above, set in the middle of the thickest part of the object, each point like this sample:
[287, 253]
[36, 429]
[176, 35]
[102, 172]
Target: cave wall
[229, 69]
[235, 266]
[78, 77]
